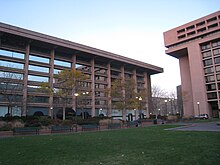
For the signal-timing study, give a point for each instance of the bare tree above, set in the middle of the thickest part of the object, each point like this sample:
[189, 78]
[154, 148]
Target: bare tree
[158, 96]
[173, 102]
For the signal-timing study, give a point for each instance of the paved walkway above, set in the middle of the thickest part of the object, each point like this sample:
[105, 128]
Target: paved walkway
[198, 127]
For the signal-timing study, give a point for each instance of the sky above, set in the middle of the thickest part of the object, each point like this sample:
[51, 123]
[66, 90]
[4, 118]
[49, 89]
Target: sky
[131, 28]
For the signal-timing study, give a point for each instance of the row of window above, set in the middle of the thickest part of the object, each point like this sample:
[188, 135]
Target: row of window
[209, 53]
[197, 25]
[209, 62]
[211, 78]
[208, 45]
[41, 99]
[34, 58]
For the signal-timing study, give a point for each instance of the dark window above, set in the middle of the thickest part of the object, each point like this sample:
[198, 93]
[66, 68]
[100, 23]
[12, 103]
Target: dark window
[212, 19]
[210, 87]
[206, 54]
[206, 46]
[207, 62]
[217, 60]
[212, 95]
[217, 68]
[208, 70]
[218, 76]
[210, 78]
[191, 33]
[182, 36]
[216, 52]
[200, 23]
[213, 26]
[190, 27]
[215, 44]
[201, 30]
[180, 31]
[38, 99]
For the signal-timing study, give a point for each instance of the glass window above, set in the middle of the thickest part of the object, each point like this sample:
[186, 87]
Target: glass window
[39, 59]
[216, 52]
[32, 88]
[212, 95]
[56, 71]
[83, 68]
[62, 63]
[210, 78]
[11, 54]
[217, 60]
[11, 75]
[38, 99]
[208, 70]
[215, 44]
[11, 64]
[3, 110]
[37, 78]
[218, 76]
[38, 68]
[206, 46]
[207, 62]
[217, 68]
[210, 87]
[100, 70]
[206, 54]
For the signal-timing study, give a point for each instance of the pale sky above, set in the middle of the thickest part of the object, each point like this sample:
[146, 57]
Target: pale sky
[131, 28]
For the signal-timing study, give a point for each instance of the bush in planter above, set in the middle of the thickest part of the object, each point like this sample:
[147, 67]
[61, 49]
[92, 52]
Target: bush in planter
[45, 121]
[32, 123]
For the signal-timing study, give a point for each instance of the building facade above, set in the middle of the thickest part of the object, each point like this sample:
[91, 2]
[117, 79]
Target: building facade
[197, 46]
[29, 58]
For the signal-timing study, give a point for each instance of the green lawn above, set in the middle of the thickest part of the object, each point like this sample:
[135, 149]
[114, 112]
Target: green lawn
[135, 146]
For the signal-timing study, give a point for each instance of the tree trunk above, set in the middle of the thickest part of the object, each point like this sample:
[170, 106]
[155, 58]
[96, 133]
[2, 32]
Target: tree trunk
[64, 113]
[124, 114]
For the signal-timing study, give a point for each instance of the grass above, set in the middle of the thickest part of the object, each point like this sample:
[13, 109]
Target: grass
[135, 146]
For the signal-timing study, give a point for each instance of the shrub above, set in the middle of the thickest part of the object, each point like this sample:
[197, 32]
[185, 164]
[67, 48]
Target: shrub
[5, 126]
[17, 123]
[32, 123]
[104, 122]
[45, 121]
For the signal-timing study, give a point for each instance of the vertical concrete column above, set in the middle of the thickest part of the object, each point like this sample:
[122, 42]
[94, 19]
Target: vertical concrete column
[147, 86]
[134, 76]
[93, 86]
[25, 81]
[109, 104]
[123, 90]
[50, 111]
[73, 96]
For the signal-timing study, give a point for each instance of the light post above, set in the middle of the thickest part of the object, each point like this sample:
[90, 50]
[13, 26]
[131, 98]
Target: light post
[100, 111]
[76, 95]
[166, 105]
[159, 111]
[198, 108]
[51, 111]
[139, 99]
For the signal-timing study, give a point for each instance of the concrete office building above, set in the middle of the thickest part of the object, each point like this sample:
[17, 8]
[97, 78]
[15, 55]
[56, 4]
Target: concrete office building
[36, 58]
[197, 46]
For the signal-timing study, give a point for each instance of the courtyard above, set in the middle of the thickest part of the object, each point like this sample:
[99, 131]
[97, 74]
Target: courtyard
[135, 146]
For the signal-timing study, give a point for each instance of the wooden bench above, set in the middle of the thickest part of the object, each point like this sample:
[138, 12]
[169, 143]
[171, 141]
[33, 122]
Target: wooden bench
[87, 127]
[114, 125]
[132, 124]
[25, 130]
[59, 129]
